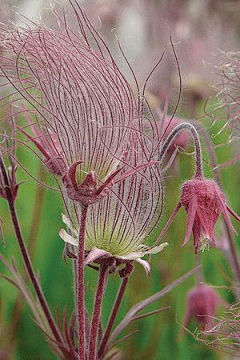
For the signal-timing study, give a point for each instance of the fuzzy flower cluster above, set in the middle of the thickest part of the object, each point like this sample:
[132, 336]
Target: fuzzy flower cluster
[90, 131]
[79, 105]
[204, 202]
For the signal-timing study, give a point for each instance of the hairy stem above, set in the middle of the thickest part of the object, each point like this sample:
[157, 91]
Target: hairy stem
[35, 225]
[80, 285]
[103, 273]
[26, 257]
[113, 315]
[198, 151]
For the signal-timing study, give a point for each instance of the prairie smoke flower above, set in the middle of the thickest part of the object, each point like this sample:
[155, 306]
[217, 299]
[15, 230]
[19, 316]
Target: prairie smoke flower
[204, 202]
[120, 225]
[80, 107]
[202, 303]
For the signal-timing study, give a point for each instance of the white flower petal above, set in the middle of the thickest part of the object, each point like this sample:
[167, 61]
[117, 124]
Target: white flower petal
[145, 264]
[95, 254]
[138, 254]
[67, 238]
[156, 249]
[131, 256]
[68, 222]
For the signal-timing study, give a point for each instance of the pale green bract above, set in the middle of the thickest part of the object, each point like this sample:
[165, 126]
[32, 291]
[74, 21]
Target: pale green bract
[107, 248]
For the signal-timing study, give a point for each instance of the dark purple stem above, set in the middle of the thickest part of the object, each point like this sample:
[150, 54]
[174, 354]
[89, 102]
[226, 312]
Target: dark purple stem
[103, 273]
[198, 151]
[80, 285]
[26, 257]
[113, 316]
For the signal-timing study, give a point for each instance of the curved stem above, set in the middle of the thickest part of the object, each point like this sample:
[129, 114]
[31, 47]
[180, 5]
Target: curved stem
[113, 315]
[198, 151]
[103, 273]
[80, 285]
[26, 257]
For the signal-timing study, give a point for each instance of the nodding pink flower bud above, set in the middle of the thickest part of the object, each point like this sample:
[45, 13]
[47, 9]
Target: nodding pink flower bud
[204, 202]
[202, 303]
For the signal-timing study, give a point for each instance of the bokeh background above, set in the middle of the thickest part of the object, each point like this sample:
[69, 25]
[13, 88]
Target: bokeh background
[200, 30]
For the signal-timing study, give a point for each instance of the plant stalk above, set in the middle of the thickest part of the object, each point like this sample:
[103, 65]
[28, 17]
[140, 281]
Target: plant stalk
[103, 273]
[35, 225]
[113, 315]
[195, 136]
[26, 257]
[80, 285]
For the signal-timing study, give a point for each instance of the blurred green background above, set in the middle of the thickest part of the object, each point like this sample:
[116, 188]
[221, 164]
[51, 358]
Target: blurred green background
[212, 25]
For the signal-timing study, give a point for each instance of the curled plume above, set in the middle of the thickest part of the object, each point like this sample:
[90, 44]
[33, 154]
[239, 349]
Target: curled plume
[87, 124]
[72, 89]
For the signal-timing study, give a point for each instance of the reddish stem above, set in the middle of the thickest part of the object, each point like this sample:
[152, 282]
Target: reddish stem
[113, 316]
[80, 285]
[38, 207]
[103, 273]
[26, 257]
[198, 151]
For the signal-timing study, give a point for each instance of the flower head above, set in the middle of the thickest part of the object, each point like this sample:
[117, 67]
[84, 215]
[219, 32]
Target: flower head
[202, 303]
[80, 106]
[204, 202]
[120, 225]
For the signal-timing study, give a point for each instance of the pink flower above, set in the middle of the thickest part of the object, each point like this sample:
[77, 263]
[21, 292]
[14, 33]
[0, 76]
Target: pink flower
[202, 303]
[204, 202]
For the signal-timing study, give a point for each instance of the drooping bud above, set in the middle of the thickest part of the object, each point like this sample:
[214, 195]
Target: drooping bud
[204, 202]
[202, 303]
